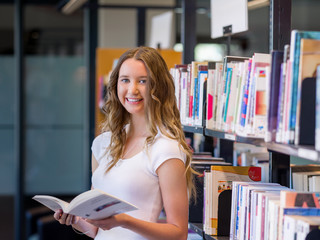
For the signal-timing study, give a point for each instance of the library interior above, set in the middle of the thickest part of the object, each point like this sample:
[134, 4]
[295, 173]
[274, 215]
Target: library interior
[247, 87]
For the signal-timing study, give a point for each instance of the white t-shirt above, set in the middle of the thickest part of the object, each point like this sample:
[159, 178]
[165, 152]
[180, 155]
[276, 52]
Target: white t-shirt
[133, 180]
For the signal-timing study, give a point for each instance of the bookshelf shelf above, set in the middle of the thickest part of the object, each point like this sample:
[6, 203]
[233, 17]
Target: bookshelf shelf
[234, 137]
[197, 228]
[306, 152]
[193, 129]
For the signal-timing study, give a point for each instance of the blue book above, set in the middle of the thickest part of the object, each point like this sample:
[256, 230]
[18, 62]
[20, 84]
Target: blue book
[227, 92]
[295, 44]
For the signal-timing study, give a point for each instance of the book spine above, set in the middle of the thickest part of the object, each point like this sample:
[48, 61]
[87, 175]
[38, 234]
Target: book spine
[317, 124]
[275, 76]
[245, 97]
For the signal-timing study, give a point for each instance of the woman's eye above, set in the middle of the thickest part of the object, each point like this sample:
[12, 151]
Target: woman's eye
[143, 81]
[124, 80]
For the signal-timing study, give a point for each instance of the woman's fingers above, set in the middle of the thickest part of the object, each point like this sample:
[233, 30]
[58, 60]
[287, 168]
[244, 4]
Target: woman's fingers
[65, 218]
[57, 214]
[69, 219]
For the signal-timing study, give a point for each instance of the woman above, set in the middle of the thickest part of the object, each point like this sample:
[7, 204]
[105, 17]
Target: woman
[141, 156]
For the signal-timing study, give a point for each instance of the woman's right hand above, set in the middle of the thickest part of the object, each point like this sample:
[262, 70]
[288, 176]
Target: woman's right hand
[65, 218]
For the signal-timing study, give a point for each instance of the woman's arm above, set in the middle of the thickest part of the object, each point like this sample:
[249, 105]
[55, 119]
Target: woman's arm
[173, 186]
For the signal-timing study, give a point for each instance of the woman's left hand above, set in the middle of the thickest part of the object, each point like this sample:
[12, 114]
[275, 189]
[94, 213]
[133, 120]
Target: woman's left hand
[110, 222]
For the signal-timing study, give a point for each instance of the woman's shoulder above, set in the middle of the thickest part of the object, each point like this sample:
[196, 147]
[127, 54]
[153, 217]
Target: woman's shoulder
[164, 142]
[102, 138]
[100, 144]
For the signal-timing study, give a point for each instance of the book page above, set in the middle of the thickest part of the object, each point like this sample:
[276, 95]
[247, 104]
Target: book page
[101, 206]
[51, 202]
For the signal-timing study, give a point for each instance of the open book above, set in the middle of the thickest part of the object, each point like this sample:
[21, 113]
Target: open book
[92, 204]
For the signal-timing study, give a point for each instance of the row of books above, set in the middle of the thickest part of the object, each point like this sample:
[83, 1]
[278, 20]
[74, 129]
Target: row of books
[262, 96]
[236, 203]
[306, 177]
[292, 102]
[263, 211]
[217, 195]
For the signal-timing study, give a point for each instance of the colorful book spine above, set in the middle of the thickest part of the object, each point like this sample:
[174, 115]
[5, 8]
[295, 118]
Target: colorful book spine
[275, 76]
[210, 94]
[202, 80]
[317, 124]
[295, 44]
[245, 97]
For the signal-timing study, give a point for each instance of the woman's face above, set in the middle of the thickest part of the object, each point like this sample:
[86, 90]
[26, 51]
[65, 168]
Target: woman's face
[132, 86]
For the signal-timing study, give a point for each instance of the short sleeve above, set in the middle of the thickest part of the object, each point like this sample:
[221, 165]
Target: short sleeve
[99, 145]
[164, 149]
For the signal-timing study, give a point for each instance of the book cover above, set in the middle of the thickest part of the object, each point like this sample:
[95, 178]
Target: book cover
[309, 60]
[260, 106]
[222, 178]
[259, 60]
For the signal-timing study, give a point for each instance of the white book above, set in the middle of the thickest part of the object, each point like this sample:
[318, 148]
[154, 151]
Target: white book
[269, 198]
[92, 204]
[274, 206]
[229, 126]
[258, 60]
[183, 96]
[218, 96]
[260, 103]
[289, 226]
[243, 70]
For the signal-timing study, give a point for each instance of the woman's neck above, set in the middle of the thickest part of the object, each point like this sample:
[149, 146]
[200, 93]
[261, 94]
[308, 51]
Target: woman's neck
[138, 127]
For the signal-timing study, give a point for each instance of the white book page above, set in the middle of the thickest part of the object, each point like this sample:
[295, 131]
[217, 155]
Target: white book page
[51, 202]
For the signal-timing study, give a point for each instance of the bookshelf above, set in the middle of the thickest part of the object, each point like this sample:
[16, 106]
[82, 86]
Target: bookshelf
[279, 154]
[197, 228]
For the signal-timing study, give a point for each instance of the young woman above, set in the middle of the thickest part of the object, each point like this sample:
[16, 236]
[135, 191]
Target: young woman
[141, 156]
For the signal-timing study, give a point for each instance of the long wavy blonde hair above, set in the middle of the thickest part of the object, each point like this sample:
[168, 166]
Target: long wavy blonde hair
[161, 110]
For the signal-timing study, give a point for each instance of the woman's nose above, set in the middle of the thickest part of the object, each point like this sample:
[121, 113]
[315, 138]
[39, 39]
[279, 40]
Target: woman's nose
[133, 88]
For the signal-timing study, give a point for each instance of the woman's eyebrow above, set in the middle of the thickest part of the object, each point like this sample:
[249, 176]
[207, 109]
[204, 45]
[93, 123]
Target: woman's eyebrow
[121, 76]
